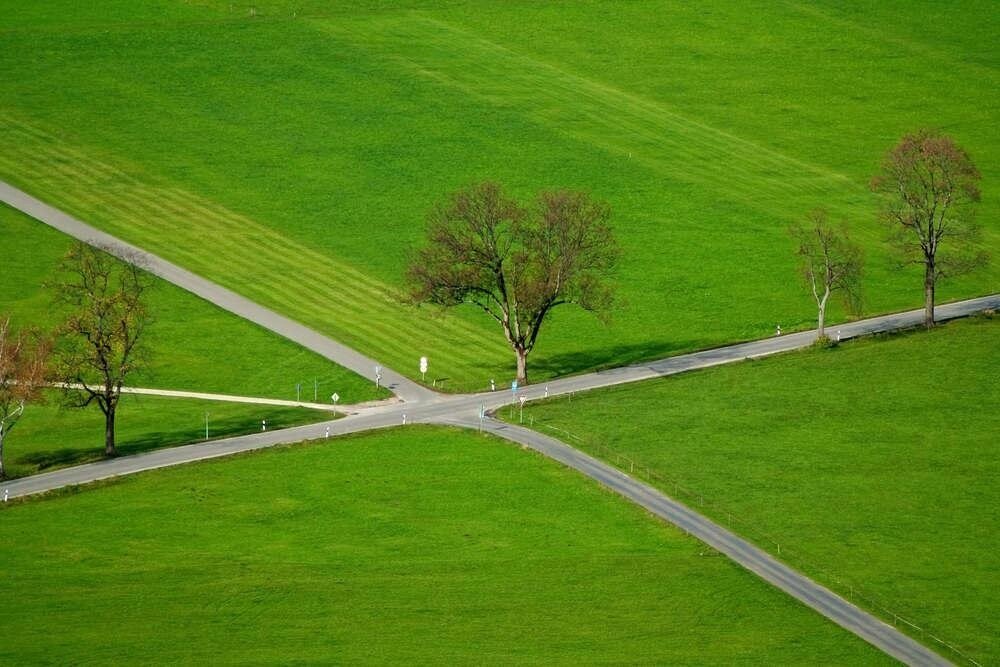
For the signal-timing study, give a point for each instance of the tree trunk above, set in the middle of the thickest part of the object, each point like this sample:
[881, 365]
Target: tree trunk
[821, 316]
[929, 280]
[522, 366]
[109, 433]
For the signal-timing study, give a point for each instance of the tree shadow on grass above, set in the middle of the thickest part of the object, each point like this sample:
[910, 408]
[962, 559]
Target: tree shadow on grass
[581, 361]
[43, 461]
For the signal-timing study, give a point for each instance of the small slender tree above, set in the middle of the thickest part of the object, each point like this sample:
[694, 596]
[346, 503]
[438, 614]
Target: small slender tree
[830, 262]
[517, 263]
[103, 334]
[23, 365]
[930, 187]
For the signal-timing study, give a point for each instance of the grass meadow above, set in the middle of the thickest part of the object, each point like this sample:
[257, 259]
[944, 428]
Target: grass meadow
[193, 345]
[292, 155]
[417, 545]
[874, 466]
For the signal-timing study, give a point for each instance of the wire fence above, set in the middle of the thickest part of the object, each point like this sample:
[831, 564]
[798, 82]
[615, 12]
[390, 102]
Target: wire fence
[754, 532]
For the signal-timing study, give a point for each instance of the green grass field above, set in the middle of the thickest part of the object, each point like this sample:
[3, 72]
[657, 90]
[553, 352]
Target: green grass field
[422, 545]
[876, 462]
[293, 158]
[50, 436]
[193, 345]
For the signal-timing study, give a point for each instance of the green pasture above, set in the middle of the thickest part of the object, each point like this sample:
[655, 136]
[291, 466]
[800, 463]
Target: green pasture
[417, 545]
[51, 436]
[293, 154]
[193, 345]
[874, 466]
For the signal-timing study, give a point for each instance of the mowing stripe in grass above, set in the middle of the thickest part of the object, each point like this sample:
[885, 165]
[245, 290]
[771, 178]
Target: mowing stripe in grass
[246, 255]
[598, 114]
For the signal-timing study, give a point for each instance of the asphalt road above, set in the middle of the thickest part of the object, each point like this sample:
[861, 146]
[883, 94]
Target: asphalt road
[465, 408]
[425, 406]
[834, 607]
[403, 387]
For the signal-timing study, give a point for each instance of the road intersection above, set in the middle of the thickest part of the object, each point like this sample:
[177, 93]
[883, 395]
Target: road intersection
[420, 405]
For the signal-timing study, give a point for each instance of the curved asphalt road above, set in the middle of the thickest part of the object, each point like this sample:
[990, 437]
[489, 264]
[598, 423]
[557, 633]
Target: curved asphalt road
[403, 387]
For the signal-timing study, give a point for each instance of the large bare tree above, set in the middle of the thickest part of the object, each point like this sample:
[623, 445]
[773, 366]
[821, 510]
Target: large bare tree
[830, 262]
[103, 334]
[930, 187]
[23, 365]
[517, 263]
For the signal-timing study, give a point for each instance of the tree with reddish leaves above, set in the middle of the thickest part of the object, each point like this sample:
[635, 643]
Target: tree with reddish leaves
[830, 263]
[23, 370]
[930, 187]
[517, 263]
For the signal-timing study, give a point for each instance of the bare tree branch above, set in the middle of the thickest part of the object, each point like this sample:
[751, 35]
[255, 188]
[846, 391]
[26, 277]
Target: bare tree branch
[103, 334]
[830, 263]
[517, 264]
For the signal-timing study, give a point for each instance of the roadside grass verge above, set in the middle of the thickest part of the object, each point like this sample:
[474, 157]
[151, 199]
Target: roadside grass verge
[421, 545]
[50, 436]
[872, 466]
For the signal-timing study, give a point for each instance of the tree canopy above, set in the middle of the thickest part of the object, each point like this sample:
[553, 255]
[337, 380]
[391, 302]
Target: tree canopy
[930, 186]
[517, 263]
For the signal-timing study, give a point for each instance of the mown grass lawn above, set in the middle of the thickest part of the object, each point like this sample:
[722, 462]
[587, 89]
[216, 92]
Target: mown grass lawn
[292, 155]
[193, 345]
[418, 545]
[50, 436]
[876, 462]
